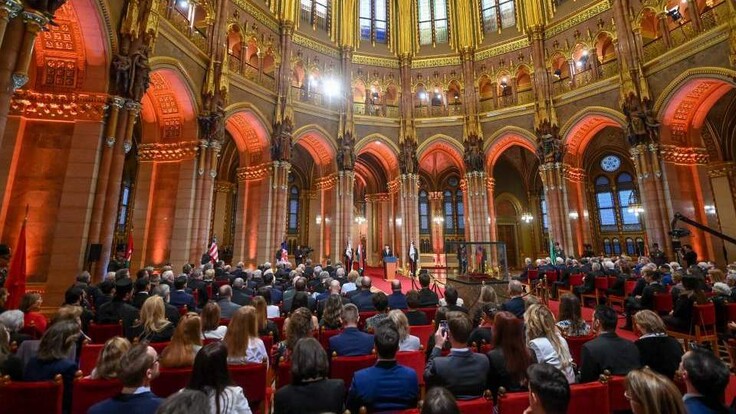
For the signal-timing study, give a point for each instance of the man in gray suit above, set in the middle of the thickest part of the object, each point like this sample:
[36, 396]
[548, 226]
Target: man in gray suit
[227, 307]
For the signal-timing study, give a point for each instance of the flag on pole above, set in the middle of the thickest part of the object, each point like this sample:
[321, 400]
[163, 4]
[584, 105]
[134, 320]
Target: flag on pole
[213, 251]
[129, 248]
[16, 282]
[552, 253]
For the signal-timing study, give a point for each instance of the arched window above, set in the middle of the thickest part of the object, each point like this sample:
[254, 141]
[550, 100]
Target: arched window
[616, 246]
[607, 249]
[497, 14]
[625, 184]
[460, 211]
[449, 210]
[432, 22]
[293, 209]
[373, 21]
[604, 199]
[630, 246]
[123, 206]
[423, 212]
[316, 13]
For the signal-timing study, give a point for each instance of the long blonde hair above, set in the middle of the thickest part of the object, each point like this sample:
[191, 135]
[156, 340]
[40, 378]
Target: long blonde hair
[653, 392]
[261, 310]
[108, 362]
[180, 352]
[401, 322]
[153, 315]
[243, 326]
[540, 323]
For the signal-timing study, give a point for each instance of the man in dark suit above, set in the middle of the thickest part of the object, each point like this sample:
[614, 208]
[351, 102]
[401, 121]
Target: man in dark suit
[427, 298]
[351, 342]
[276, 295]
[414, 314]
[138, 367]
[171, 312]
[451, 297]
[396, 300]
[180, 297]
[516, 304]
[387, 252]
[463, 372]
[364, 298]
[239, 294]
[227, 307]
[706, 378]
[333, 290]
[413, 255]
[634, 304]
[118, 309]
[608, 351]
[386, 386]
[300, 285]
[142, 287]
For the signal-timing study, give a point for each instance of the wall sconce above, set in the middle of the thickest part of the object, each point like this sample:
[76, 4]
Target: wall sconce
[527, 217]
[573, 215]
[319, 219]
[398, 221]
[360, 220]
[327, 220]
[710, 209]
[438, 220]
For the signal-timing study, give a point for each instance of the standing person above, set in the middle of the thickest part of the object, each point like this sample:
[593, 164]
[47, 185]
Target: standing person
[650, 393]
[386, 252]
[689, 256]
[138, 367]
[349, 255]
[298, 255]
[549, 392]
[211, 376]
[413, 255]
[657, 255]
[360, 257]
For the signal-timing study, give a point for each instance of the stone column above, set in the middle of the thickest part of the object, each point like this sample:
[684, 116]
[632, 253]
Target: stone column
[409, 213]
[664, 29]
[555, 192]
[276, 212]
[652, 196]
[694, 12]
[250, 216]
[577, 201]
[344, 214]
[476, 206]
[490, 199]
[437, 229]
[722, 178]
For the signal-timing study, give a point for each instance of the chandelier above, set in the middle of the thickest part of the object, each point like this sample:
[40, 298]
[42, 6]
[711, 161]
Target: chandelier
[635, 206]
[527, 217]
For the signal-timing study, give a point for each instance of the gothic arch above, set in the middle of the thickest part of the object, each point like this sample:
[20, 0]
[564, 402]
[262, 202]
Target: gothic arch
[449, 142]
[439, 157]
[583, 126]
[504, 139]
[320, 146]
[168, 116]
[383, 150]
[250, 135]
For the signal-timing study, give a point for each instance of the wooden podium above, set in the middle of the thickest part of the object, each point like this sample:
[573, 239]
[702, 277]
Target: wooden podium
[389, 268]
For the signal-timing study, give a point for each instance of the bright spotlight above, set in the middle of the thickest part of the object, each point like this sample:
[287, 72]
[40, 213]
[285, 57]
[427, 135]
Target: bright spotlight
[332, 87]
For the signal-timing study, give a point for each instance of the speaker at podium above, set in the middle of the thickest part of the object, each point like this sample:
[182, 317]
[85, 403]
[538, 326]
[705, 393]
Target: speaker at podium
[389, 267]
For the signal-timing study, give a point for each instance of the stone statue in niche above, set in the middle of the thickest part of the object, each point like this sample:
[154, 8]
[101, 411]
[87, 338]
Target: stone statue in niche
[140, 73]
[408, 161]
[281, 142]
[345, 157]
[637, 116]
[473, 155]
[549, 147]
[121, 65]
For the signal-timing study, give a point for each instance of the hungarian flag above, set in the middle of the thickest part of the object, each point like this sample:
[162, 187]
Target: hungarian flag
[16, 282]
[129, 249]
[213, 251]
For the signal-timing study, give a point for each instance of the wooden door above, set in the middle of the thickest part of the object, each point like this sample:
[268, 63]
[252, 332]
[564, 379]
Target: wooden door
[507, 234]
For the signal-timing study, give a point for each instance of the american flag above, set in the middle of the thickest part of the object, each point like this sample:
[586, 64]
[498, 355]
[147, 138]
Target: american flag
[213, 250]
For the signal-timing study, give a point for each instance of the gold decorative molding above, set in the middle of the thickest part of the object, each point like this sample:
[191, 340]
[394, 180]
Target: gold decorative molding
[383, 62]
[393, 186]
[573, 174]
[159, 152]
[304, 41]
[684, 156]
[326, 183]
[67, 107]
[435, 62]
[255, 172]
[258, 14]
[225, 187]
[576, 19]
[505, 47]
[377, 198]
[722, 169]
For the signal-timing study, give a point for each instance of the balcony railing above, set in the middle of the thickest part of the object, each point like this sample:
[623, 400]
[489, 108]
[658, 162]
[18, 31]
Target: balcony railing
[609, 69]
[525, 97]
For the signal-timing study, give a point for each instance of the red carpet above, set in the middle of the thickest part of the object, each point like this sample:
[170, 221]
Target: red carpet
[376, 275]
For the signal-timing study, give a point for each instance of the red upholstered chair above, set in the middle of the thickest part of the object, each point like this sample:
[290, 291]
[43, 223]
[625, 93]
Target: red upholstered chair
[363, 317]
[183, 310]
[629, 286]
[344, 367]
[279, 321]
[159, 346]
[88, 357]
[267, 341]
[704, 320]
[325, 335]
[531, 281]
[252, 378]
[482, 405]
[575, 344]
[414, 360]
[101, 333]
[430, 312]
[588, 398]
[423, 332]
[221, 283]
[283, 373]
[208, 287]
[662, 303]
[573, 281]
[731, 312]
[31, 397]
[170, 380]
[195, 295]
[88, 392]
[601, 285]
[206, 341]
[616, 398]
[225, 322]
[31, 330]
[512, 402]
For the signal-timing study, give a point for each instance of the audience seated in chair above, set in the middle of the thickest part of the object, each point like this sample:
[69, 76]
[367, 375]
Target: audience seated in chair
[463, 372]
[380, 304]
[240, 296]
[657, 350]
[546, 342]
[152, 325]
[138, 367]
[185, 401]
[243, 342]
[180, 297]
[706, 378]
[266, 326]
[510, 357]
[224, 301]
[300, 326]
[681, 317]
[515, 304]
[172, 313]
[483, 333]
[185, 343]
[608, 352]
[570, 321]
[211, 376]
[387, 386]
[332, 312]
[30, 305]
[118, 308]
[407, 342]
[451, 296]
[634, 304]
[414, 314]
[10, 365]
[309, 378]
[364, 298]
[439, 401]
[351, 342]
[649, 392]
[427, 298]
[109, 359]
[549, 390]
[211, 328]
[396, 300]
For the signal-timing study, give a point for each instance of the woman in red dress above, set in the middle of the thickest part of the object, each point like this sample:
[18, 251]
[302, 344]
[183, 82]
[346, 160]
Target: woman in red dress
[30, 305]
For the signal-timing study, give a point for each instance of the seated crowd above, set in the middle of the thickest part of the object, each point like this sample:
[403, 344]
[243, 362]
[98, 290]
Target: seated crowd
[210, 318]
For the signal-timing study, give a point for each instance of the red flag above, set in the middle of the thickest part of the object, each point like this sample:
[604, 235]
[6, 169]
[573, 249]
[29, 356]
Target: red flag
[214, 256]
[129, 248]
[16, 282]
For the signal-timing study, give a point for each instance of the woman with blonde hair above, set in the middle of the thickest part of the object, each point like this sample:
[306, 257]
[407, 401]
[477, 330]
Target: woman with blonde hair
[211, 328]
[152, 325]
[651, 393]
[266, 326]
[546, 342]
[185, 343]
[406, 342]
[108, 362]
[243, 344]
[487, 296]
[657, 350]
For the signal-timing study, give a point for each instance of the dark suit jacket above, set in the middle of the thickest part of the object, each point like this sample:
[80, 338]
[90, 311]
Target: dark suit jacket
[427, 298]
[241, 297]
[297, 399]
[276, 296]
[397, 300]
[385, 386]
[172, 313]
[384, 253]
[179, 298]
[608, 352]
[312, 303]
[351, 342]
[416, 317]
[144, 403]
[647, 295]
[138, 299]
[514, 305]
[37, 370]
[463, 373]
[456, 308]
[115, 311]
[363, 300]
[661, 353]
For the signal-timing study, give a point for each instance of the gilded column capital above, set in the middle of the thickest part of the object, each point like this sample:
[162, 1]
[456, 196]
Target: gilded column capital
[490, 184]
[253, 173]
[684, 156]
[377, 198]
[721, 169]
[573, 174]
[35, 21]
[159, 152]
[117, 102]
[10, 9]
[435, 195]
[133, 106]
[225, 187]
[46, 106]
[326, 183]
[393, 186]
